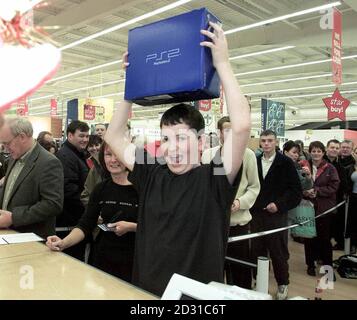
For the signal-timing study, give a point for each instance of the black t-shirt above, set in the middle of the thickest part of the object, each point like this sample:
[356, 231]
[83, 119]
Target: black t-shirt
[113, 203]
[183, 224]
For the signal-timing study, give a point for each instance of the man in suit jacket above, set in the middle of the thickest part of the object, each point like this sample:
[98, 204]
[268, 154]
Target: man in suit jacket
[32, 195]
[280, 191]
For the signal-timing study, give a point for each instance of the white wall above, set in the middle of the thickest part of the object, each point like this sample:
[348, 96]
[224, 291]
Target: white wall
[307, 136]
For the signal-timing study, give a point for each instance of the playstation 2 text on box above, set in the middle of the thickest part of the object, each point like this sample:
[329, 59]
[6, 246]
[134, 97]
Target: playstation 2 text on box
[167, 63]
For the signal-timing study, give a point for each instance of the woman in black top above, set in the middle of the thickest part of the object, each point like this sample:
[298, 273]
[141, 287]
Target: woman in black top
[116, 201]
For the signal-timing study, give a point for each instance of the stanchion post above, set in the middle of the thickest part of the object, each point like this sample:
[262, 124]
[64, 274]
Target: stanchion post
[263, 275]
[347, 240]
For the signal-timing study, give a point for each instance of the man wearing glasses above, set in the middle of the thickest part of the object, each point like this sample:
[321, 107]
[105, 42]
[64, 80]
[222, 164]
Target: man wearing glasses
[32, 194]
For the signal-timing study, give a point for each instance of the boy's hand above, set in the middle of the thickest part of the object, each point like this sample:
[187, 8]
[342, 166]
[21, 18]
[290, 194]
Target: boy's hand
[125, 62]
[219, 46]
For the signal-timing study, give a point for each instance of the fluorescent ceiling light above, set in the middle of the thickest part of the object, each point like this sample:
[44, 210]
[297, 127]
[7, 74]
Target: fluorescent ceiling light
[39, 107]
[293, 66]
[301, 88]
[126, 23]
[283, 67]
[94, 86]
[260, 52]
[84, 70]
[119, 61]
[44, 97]
[285, 17]
[37, 113]
[81, 89]
[108, 95]
[293, 108]
[286, 80]
[136, 110]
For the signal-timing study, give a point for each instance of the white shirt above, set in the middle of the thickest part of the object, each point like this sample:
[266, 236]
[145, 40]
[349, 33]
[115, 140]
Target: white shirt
[314, 172]
[249, 185]
[266, 164]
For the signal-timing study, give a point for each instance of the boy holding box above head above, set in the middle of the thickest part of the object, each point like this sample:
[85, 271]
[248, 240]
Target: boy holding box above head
[184, 206]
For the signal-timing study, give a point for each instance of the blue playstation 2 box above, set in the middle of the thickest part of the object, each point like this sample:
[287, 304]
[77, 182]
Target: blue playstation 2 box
[167, 63]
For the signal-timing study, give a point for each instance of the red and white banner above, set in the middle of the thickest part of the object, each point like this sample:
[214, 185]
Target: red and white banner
[22, 108]
[53, 107]
[337, 47]
[336, 106]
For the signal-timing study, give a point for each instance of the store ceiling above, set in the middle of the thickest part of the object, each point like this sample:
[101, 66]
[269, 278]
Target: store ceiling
[78, 19]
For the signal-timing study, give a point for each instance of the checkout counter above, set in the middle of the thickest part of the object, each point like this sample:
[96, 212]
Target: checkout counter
[32, 271]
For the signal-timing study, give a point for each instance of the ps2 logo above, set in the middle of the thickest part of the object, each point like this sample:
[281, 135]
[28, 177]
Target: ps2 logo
[163, 57]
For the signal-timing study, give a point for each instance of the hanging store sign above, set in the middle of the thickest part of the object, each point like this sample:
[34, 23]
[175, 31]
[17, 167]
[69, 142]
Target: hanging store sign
[53, 107]
[337, 47]
[22, 109]
[273, 116]
[336, 106]
[204, 105]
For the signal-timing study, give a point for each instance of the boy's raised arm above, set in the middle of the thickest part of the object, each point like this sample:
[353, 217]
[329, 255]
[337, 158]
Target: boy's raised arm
[237, 105]
[117, 137]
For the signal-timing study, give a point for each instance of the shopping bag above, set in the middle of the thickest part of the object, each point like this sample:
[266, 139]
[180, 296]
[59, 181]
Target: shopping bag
[302, 213]
[347, 266]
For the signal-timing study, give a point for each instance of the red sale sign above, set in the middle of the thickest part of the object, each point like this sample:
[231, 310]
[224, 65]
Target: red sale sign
[205, 105]
[337, 47]
[336, 106]
[53, 107]
[22, 109]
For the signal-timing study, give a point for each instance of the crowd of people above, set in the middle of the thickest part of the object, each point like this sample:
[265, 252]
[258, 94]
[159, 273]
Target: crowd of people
[145, 217]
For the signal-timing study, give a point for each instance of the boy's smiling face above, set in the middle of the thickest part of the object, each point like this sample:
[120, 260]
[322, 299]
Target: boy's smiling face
[180, 147]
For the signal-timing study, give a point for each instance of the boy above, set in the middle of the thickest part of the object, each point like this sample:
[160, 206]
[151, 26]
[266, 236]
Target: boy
[184, 207]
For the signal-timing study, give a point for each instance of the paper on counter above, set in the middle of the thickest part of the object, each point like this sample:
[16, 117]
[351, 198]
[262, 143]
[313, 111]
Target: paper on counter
[21, 238]
[2, 241]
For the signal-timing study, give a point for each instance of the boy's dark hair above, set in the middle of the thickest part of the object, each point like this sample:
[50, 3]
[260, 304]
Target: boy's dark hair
[268, 132]
[289, 145]
[333, 141]
[93, 140]
[317, 145]
[183, 113]
[77, 125]
[222, 121]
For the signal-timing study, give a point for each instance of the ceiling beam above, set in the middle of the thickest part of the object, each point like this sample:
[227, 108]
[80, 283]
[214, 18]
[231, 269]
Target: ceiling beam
[310, 35]
[352, 4]
[85, 12]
